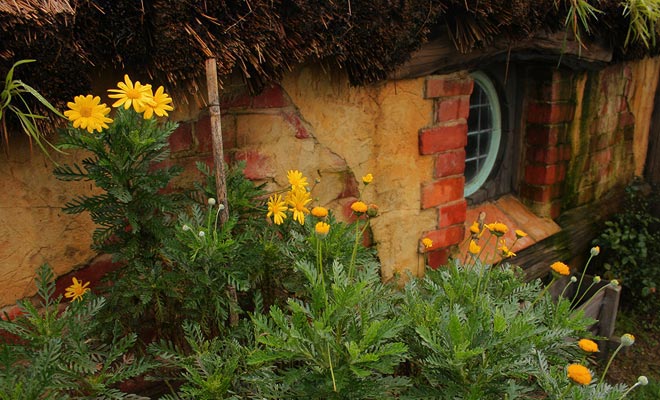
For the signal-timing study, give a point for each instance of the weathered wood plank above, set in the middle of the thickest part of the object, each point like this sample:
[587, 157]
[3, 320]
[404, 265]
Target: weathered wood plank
[440, 55]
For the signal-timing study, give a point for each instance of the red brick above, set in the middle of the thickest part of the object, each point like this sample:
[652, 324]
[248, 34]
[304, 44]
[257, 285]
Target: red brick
[542, 174]
[565, 152]
[537, 193]
[452, 214]
[257, 165]
[437, 258]
[452, 108]
[181, 138]
[450, 163]
[298, 125]
[442, 138]
[544, 135]
[442, 191]
[446, 237]
[543, 155]
[447, 86]
[550, 113]
[270, 97]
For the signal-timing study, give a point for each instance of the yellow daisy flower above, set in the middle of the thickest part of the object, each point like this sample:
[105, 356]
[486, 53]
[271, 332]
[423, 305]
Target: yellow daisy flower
[497, 228]
[474, 228]
[506, 253]
[276, 208]
[87, 112]
[560, 268]
[520, 234]
[474, 248]
[367, 179]
[428, 243]
[322, 228]
[161, 104]
[132, 94]
[296, 179]
[579, 374]
[298, 200]
[76, 290]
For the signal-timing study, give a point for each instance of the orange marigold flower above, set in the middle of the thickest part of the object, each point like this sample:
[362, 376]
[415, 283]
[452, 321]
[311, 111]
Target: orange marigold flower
[579, 374]
[320, 212]
[588, 345]
[359, 207]
[560, 268]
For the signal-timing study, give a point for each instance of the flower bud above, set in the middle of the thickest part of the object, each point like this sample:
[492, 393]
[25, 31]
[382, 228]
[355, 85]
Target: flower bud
[221, 206]
[211, 201]
[201, 234]
[642, 380]
[627, 339]
[595, 251]
[573, 279]
[596, 279]
[614, 282]
[185, 228]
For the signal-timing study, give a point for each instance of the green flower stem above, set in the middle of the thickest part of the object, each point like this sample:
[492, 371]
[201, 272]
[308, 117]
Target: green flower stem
[609, 362]
[584, 271]
[629, 390]
[576, 302]
[358, 234]
[332, 372]
[545, 289]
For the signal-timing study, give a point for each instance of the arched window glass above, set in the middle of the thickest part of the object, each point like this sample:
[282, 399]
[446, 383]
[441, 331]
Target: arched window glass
[484, 133]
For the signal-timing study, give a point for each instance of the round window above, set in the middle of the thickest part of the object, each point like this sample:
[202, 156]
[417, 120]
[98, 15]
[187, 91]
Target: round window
[484, 132]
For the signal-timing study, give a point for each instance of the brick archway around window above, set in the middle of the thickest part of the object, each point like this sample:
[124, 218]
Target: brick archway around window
[445, 141]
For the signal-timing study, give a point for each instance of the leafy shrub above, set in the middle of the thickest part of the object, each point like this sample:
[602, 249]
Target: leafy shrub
[56, 355]
[630, 252]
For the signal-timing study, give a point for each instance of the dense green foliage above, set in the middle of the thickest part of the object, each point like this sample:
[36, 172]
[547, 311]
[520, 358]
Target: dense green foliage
[48, 353]
[630, 252]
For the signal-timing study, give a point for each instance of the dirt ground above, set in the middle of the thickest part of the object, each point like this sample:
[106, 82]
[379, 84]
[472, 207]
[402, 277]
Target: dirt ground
[643, 357]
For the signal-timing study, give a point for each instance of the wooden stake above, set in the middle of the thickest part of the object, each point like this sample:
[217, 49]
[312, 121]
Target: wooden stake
[219, 160]
[216, 135]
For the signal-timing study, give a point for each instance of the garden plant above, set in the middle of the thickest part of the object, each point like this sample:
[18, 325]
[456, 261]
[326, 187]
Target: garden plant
[315, 318]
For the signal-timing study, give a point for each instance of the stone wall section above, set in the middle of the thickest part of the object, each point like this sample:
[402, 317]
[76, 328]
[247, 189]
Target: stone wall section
[444, 141]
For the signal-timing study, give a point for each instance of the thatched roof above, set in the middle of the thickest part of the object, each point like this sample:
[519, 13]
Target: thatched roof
[167, 41]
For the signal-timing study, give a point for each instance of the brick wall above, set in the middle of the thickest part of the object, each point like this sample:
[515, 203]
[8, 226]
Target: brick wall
[444, 140]
[578, 136]
[547, 120]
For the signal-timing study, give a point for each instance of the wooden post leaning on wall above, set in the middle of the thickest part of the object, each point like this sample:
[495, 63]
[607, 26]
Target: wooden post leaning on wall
[216, 135]
[219, 160]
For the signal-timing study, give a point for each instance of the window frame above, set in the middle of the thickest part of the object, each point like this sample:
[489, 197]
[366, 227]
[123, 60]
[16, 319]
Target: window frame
[486, 84]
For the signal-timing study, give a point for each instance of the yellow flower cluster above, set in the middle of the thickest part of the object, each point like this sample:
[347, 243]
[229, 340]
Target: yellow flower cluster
[496, 229]
[87, 112]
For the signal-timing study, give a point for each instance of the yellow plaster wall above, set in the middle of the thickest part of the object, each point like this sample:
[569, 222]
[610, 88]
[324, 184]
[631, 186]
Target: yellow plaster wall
[374, 130]
[33, 228]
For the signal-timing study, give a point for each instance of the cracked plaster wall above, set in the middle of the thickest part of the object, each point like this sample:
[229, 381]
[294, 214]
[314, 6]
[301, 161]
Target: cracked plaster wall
[33, 228]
